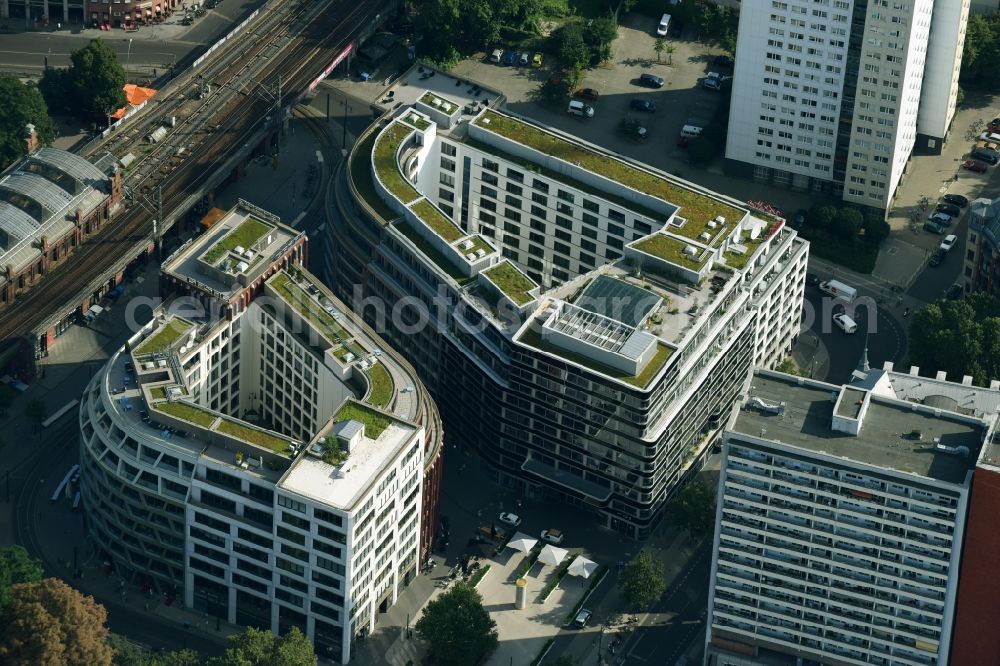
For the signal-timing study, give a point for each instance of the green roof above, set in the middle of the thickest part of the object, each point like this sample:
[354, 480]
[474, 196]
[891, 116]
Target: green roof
[187, 412]
[375, 422]
[416, 120]
[478, 243]
[245, 235]
[429, 97]
[164, 337]
[364, 181]
[739, 261]
[672, 250]
[698, 209]
[512, 282]
[251, 435]
[533, 338]
[432, 253]
[306, 306]
[437, 221]
[386, 166]
[382, 386]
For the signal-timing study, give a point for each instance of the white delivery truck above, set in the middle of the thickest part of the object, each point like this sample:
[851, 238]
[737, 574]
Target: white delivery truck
[839, 290]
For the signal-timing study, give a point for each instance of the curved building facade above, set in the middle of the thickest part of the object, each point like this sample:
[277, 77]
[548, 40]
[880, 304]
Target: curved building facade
[269, 466]
[583, 321]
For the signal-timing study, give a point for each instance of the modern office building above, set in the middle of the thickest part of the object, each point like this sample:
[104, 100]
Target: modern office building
[841, 519]
[256, 450]
[583, 321]
[981, 270]
[835, 96]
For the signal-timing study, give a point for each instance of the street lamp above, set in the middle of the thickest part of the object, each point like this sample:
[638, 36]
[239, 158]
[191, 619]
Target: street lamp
[128, 58]
[347, 107]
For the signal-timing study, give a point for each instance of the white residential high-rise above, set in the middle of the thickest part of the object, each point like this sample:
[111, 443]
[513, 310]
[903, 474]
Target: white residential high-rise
[836, 95]
[841, 518]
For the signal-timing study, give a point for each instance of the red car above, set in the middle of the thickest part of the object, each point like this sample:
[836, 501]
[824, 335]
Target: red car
[587, 93]
[994, 125]
[975, 165]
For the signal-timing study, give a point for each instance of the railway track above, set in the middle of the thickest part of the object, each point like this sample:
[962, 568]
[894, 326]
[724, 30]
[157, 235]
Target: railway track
[236, 120]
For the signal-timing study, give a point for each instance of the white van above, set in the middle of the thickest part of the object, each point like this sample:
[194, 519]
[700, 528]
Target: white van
[664, 26]
[578, 108]
[838, 289]
[846, 324]
[690, 131]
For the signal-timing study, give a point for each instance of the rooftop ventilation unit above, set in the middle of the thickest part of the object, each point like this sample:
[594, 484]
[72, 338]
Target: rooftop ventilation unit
[436, 102]
[239, 249]
[480, 253]
[719, 219]
[690, 250]
[712, 224]
[466, 244]
[242, 267]
[471, 256]
[704, 236]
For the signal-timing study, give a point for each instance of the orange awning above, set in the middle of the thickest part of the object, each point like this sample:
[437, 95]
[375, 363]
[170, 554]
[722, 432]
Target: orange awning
[135, 95]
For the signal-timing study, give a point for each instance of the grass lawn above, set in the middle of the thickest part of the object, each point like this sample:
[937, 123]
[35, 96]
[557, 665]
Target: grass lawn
[158, 393]
[534, 339]
[245, 235]
[187, 412]
[437, 221]
[386, 166]
[361, 174]
[478, 243]
[672, 250]
[374, 422]
[698, 209]
[382, 388]
[164, 337]
[271, 442]
[432, 253]
[511, 282]
[413, 119]
[295, 296]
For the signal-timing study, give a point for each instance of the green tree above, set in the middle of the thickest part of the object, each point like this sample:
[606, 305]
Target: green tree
[848, 223]
[50, 624]
[957, 337]
[259, 647]
[642, 581]
[56, 86]
[16, 567]
[670, 50]
[876, 229]
[790, 367]
[980, 52]
[598, 34]
[659, 46]
[98, 81]
[822, 217]
[129, 654]
[21, 104]
[693, 508]
[36, 412]
[570, 48]
[457, 628]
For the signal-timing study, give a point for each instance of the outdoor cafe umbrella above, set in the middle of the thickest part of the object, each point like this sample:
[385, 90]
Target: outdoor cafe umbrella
[582, 567]
[551, 555]
[522, 542]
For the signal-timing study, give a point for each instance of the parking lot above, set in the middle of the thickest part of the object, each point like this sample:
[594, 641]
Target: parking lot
[680, 101]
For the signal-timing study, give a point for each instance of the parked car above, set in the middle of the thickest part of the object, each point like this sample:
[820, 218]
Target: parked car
[936, 258]
[954, 292]
[578, 108]
[812, 280]
[524, 59]
[552, 536]
[510, 518]
[650, 80]
[949, 209]
[643, 105]
[536, 60]
[941, 218]
[509, 57]
[975, 165]
[723, 61]
[934, 228]
[634, 128]
[948, 242]
[713, 81]
[956, 199]
[845, 323]
[989, 156]
[497, 56]
[587, 93]
[581, 619]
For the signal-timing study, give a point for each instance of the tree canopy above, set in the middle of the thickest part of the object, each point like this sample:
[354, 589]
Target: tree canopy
[129, 654]
[259, 647]
[693, 508]
[20, 104]
[96, 78]
[50, 624]
[642, 581]
[457, 628]
[17, 566]
[446, 29]
[982, 50]
[960, 337]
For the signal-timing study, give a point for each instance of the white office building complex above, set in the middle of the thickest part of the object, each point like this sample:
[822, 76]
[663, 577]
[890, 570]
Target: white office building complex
[588, 320]
[265, 466]
[834, 95]
[841, 519]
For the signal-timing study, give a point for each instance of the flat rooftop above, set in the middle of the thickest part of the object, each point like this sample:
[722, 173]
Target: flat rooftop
[883, 439]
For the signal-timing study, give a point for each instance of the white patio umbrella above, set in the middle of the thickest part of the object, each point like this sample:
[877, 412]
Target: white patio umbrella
[582, 567]
[522, 542]
[551, 555]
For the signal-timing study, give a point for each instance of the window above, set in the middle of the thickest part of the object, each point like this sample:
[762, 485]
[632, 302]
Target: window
[564, 222]
[616, 230]
[566, 196]
[565, 209]
[491, 179]
[511, 200]
[615, 215]
[538, 226]
[562, 249]
[289, 503]
[488, 192]
[515, 175]
[490, 165]
[447, 180]
[447, 164]
[512, 228]
[539, 198]
[514, 189]
[562, 235]
[540, 185]
[590, 219]
[589, 246]
[591, 206]
[538, 211]
[512, 215]
[448, 149]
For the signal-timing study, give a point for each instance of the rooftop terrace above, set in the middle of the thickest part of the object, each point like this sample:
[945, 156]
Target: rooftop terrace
[308, 308]
[384, 159]
[673, 250]
[245, 235]
[163, 338]
[698, 208]
[884, 439]
[511, 281]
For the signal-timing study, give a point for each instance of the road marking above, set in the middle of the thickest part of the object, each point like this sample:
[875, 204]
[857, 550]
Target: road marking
[691, 622]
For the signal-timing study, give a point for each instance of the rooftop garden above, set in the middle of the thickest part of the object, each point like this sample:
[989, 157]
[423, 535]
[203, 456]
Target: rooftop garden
[245, 235]
[361, 175]
[739, 261]
[375, 422]
[304, 304]
[437, 221]
[164, 337]
[384, 158]
[429, 97]
[187, 412]
[333, 454]
[698, 208]
[512, 282]
[382, 387]
[672, 250]
[533, 338]
[158, 393]
[478, 243]
[262, 438]
[416, 120]
[432, 253]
